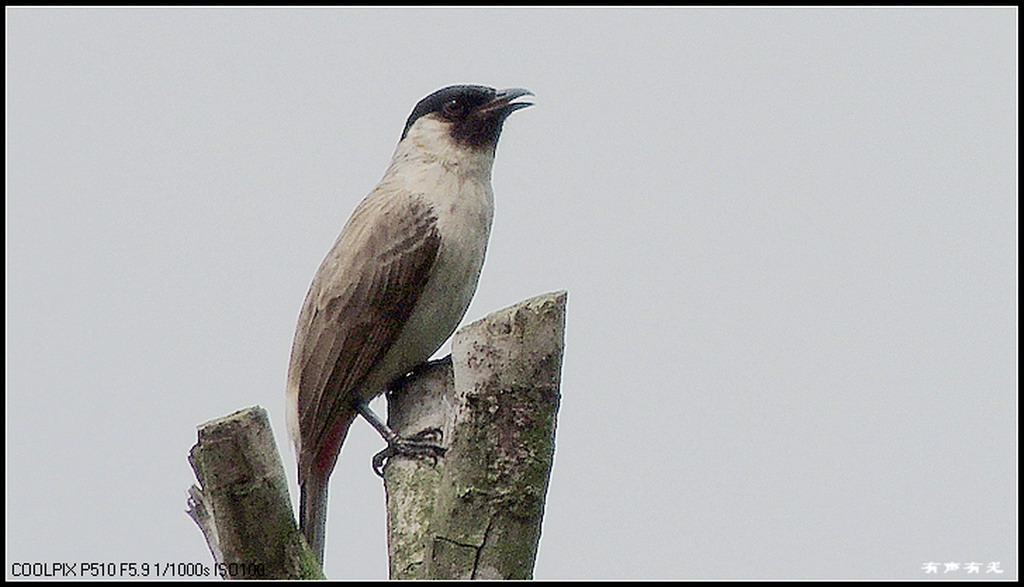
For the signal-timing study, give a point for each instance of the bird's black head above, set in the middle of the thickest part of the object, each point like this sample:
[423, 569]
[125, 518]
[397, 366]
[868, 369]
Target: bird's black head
[474, 113]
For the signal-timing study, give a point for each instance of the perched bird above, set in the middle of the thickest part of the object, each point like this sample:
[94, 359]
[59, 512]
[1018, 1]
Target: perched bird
[395, 285]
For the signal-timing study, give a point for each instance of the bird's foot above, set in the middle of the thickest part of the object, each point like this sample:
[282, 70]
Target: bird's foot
[422, 444]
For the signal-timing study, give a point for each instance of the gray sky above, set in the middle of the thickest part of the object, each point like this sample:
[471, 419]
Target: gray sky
[789, 239]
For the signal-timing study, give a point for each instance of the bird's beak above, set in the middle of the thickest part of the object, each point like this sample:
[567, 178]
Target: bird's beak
[503, 103]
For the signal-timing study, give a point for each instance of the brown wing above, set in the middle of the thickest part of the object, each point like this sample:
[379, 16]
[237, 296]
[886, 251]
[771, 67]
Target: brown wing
[361, 296]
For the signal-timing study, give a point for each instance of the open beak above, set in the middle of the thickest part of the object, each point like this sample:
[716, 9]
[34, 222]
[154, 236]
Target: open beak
[503, 103]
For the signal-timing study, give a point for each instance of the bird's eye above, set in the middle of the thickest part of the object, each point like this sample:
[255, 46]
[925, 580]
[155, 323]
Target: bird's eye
[453, 108]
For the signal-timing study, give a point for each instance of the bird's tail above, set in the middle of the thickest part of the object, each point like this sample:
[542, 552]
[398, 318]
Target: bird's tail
[313, 512]
[313, 479]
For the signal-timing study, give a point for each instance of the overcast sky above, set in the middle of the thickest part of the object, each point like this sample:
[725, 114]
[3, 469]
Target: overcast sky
[789, 239]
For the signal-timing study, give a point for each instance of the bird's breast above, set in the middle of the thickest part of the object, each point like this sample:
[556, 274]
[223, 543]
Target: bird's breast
[464, 209]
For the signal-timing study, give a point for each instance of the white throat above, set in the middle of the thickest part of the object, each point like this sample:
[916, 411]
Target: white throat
[428, 143]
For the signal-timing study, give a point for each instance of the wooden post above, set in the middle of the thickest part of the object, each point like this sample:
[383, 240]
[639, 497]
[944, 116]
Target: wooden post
[243, 507]
[477, 513]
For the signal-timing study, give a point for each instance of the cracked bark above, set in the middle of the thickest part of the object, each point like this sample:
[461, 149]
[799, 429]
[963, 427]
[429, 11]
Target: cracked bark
[477, 514]
[242, 504]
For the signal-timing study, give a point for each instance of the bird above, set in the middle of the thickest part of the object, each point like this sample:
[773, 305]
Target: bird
[395, 284]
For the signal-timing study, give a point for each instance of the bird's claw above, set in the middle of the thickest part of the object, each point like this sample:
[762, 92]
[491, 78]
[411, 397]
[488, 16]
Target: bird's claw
[433, 435]
[421, 444]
